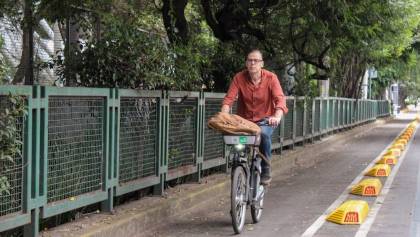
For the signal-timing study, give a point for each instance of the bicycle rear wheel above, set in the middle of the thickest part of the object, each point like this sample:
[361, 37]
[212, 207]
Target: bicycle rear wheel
[238, 199]
[257, 205]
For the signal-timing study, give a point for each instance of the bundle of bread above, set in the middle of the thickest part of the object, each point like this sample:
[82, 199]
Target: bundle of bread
[232, 124]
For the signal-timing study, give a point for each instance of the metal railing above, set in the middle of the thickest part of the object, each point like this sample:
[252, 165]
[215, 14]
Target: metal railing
[88, 145]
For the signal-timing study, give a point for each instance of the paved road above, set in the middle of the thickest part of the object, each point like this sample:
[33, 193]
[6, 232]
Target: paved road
[298, 200]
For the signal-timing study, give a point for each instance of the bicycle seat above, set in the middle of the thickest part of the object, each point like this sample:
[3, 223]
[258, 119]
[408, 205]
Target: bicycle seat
[242, 139]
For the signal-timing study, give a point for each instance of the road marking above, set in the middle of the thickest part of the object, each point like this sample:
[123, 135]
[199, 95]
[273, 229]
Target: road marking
[344, 195]
[365, 227]
[415, 223]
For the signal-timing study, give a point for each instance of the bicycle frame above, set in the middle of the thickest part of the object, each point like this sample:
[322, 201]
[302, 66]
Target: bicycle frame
[251, 163]
[246, 189]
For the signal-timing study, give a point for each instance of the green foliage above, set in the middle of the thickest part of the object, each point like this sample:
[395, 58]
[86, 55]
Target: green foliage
[406, 71]
[12, 109]
[11, 8]
[5, 68]
[133, 52]
[322, 39]
[342, 38]
[124, 57]
[305, 86]
[224, 62]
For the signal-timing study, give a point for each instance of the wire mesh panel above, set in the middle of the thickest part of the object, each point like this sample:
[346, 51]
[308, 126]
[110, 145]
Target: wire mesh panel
[138, 138]
[357, 110]
[11, 168]
[275, 137]
[364, 110]
[309, 117]
[385, 108]
[368, 110]
[371, 109]
[343, 112]
[299, 117]
[380, 108]
[213, 141]
[336, 112]
[324, 115]
[344, 104]
[340, 114]
[317, 115]
[330, 113]
[75, 146]
[288, 120]
[347, 112]
[182, 131]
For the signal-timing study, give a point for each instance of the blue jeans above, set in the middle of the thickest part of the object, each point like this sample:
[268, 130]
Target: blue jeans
[265, 145]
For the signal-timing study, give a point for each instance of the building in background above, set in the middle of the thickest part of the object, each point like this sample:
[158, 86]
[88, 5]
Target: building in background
[47, 42]
[394, 98]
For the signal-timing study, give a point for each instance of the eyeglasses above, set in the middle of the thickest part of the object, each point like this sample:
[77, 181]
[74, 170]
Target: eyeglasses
[251, 61]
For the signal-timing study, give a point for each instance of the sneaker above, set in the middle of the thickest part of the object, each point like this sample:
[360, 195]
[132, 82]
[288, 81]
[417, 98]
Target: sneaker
[265, 180]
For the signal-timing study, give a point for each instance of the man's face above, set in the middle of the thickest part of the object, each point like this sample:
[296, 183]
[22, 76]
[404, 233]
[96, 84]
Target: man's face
[254, 62]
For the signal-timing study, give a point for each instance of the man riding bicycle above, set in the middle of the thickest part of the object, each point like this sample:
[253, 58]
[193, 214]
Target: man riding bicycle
[260, 100]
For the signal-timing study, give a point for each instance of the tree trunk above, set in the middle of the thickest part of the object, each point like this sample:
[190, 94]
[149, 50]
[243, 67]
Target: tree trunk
[349, 74]
[176, 24]
[72, 44]
[25, 67]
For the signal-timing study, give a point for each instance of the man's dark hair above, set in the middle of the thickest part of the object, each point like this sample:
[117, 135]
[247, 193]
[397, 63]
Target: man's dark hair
[255, 50]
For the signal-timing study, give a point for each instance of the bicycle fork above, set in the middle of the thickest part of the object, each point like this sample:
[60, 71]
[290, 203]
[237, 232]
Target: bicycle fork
[257, 190]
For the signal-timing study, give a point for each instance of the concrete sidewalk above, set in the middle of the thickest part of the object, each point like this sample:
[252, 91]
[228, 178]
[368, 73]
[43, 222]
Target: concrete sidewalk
[150, 212]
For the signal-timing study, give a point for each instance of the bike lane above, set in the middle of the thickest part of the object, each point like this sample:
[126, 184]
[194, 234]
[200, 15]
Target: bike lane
[398, 215]
[296, 200]
[390, 213]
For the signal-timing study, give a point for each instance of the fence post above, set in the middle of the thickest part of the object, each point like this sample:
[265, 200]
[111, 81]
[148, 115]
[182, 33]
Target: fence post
[32, 229]
[162, 168]
[321, 116]
[305, 114]
[313, 120]
[112, 145]
[294, 122]
[36, 175]
[282, 133]
[199, 134]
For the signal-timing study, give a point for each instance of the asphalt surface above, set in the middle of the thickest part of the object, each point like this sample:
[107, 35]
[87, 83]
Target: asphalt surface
[298, 200]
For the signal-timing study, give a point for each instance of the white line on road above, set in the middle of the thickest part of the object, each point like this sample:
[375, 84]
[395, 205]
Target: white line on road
[365, 227]
[321, 220]
[415, 222]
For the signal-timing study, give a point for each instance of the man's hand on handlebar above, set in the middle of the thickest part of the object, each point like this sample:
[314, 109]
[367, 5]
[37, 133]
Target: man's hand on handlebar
[274, 121]
[225, 109]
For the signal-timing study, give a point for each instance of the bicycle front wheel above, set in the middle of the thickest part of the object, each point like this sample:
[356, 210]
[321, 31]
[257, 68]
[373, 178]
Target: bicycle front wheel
[258, 195]
[238, 199]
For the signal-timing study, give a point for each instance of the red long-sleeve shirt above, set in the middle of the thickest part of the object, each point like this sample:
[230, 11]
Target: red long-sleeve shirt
[256, 102]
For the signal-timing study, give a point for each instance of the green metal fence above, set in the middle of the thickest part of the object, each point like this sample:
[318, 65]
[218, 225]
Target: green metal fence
[138, 157]
[213, 156]
[88, 145]
[11, 172]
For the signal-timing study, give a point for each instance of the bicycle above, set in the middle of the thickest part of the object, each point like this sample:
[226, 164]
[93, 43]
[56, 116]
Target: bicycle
[246, 189]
